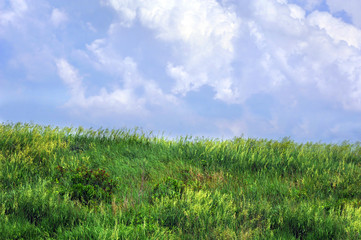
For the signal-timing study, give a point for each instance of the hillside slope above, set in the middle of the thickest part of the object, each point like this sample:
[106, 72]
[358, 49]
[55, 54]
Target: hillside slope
[125, 184]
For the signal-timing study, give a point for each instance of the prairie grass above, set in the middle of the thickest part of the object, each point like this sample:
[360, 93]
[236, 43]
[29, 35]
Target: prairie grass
[75, 183]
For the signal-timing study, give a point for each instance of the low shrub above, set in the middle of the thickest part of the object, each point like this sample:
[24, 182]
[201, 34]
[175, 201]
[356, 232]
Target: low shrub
[86, 184]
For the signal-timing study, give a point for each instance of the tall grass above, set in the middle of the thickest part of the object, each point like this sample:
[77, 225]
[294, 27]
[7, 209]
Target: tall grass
[75, 183]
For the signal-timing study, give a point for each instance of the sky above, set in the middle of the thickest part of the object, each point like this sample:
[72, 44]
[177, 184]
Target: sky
[206, 68]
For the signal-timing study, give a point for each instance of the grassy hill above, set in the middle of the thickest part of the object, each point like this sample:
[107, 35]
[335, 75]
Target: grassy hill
[125, 184]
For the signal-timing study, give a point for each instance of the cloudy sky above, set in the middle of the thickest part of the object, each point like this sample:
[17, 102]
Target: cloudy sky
[213, 68]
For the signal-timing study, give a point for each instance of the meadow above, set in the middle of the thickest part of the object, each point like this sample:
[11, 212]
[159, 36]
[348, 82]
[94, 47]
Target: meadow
[75, 183]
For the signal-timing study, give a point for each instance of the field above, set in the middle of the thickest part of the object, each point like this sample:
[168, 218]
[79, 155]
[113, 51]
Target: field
[75, 183]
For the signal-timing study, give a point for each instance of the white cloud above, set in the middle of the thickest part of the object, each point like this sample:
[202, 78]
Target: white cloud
[336, 28]
[303, 60]
[351, 7]
[12, 16]
[130, 93]
[312, 4]
[19, 6]
[308, 5]
[202, 33]
[296, 12]
[183, 79]
[72, 79]
[126, 70]
[290, 50]
[279, 18]
[274, 49]
[32, 43]
[318, 51]
[126, 7]
[58, 17]
[116, 101]
[295, 59]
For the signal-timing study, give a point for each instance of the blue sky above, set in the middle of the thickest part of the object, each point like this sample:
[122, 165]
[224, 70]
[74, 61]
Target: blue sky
[212, 68]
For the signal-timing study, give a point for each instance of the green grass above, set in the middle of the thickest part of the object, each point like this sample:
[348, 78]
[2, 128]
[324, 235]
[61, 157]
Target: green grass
[65, 183]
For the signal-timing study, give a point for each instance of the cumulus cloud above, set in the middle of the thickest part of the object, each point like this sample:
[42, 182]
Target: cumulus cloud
[119, 100]
[202, 33]
[336, 28]
[72, 79]
[129, 93]
[295, 58]
[284, 49]
[277, 35]
[317, 50]
[312, 4]
[122, 91]
[307, 5]
[351, 7]
[286, 67]
[102, 56]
